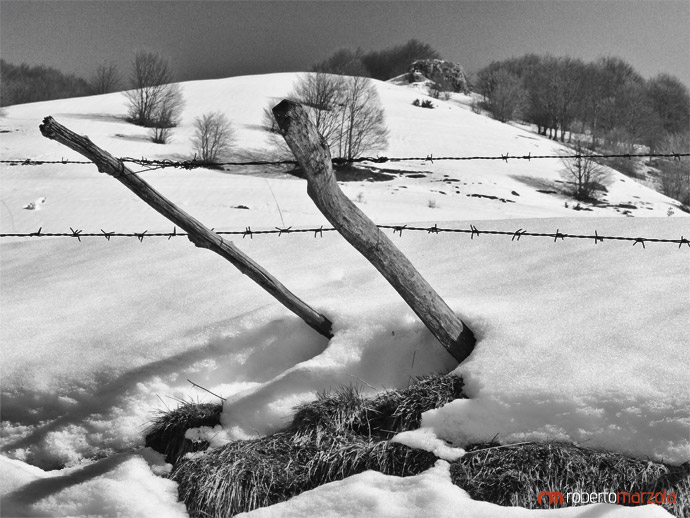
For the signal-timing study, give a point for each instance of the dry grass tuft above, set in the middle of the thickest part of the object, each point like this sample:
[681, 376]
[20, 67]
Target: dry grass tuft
[383, 416]
[166, 432]
[515, 475]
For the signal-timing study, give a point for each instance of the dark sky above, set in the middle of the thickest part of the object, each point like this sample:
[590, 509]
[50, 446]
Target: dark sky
[208, 39]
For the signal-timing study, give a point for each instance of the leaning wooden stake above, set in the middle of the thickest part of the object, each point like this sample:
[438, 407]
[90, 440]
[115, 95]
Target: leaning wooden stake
[200, 235]
[315, 158]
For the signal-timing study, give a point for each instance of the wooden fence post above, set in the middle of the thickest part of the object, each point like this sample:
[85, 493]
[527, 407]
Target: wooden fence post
[200, 235]
[314, 157]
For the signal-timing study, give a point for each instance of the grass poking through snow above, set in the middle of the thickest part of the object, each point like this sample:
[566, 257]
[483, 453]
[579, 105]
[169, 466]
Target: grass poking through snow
[343, 433]
[514, 475]
[166, 434]
[346, 411]
[338, 435]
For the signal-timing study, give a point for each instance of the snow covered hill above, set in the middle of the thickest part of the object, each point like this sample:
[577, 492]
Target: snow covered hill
[448, 190]
[577, 341]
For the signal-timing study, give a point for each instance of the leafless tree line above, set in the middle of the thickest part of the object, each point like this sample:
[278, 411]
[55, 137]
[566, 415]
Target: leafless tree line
[607, 99]
[606, 104]
[26, 84]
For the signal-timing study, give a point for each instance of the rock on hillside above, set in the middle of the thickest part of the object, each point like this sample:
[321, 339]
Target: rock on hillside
[450, 76]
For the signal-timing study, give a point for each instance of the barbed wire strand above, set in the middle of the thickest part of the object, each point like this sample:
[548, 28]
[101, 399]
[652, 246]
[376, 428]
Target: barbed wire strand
[196, 164]
[318, 232]
[192, 164]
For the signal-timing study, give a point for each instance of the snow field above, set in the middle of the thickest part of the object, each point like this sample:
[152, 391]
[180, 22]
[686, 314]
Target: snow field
[576, 341]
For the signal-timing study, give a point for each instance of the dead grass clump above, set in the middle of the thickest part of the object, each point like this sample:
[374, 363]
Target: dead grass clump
[240, 476]
[343, 433]
[336, 459]
[398, 411]
[515, 475]
[166, 434]
[245, 475]
[382, 416]
[340, 434]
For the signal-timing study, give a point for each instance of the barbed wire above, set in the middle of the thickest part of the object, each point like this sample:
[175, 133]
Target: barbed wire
[397, 229]
[473, 231]
[196, 164]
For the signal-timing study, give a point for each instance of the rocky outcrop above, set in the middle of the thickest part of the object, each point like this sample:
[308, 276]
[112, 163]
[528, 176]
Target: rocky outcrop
[450, 76]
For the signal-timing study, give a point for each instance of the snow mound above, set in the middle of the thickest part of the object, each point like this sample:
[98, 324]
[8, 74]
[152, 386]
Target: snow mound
[428, 494]
[121, 485]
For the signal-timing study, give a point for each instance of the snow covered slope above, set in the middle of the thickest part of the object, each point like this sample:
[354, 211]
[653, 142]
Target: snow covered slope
[577, 341]
[77, 196]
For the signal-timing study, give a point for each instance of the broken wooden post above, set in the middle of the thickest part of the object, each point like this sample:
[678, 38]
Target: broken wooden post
[314, 157]
[200, 235]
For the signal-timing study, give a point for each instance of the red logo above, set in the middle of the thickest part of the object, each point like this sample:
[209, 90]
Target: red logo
[555, 497]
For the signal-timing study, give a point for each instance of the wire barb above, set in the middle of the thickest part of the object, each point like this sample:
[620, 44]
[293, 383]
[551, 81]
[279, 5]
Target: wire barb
[75, 233]
[399, 229]
[639, 240]
[474, 231]
[518, 234]
[247, 232]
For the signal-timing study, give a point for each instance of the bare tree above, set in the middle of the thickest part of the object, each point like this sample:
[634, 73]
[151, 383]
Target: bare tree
[502, 90]
[363, 125]
[638, 121]
[566, 89]
[324, 95]
[346, 112]
[213, 136]
[166, 114]
[106, 79]
[670, 99]
[154, 101]
[581, 168]
[675, 173]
